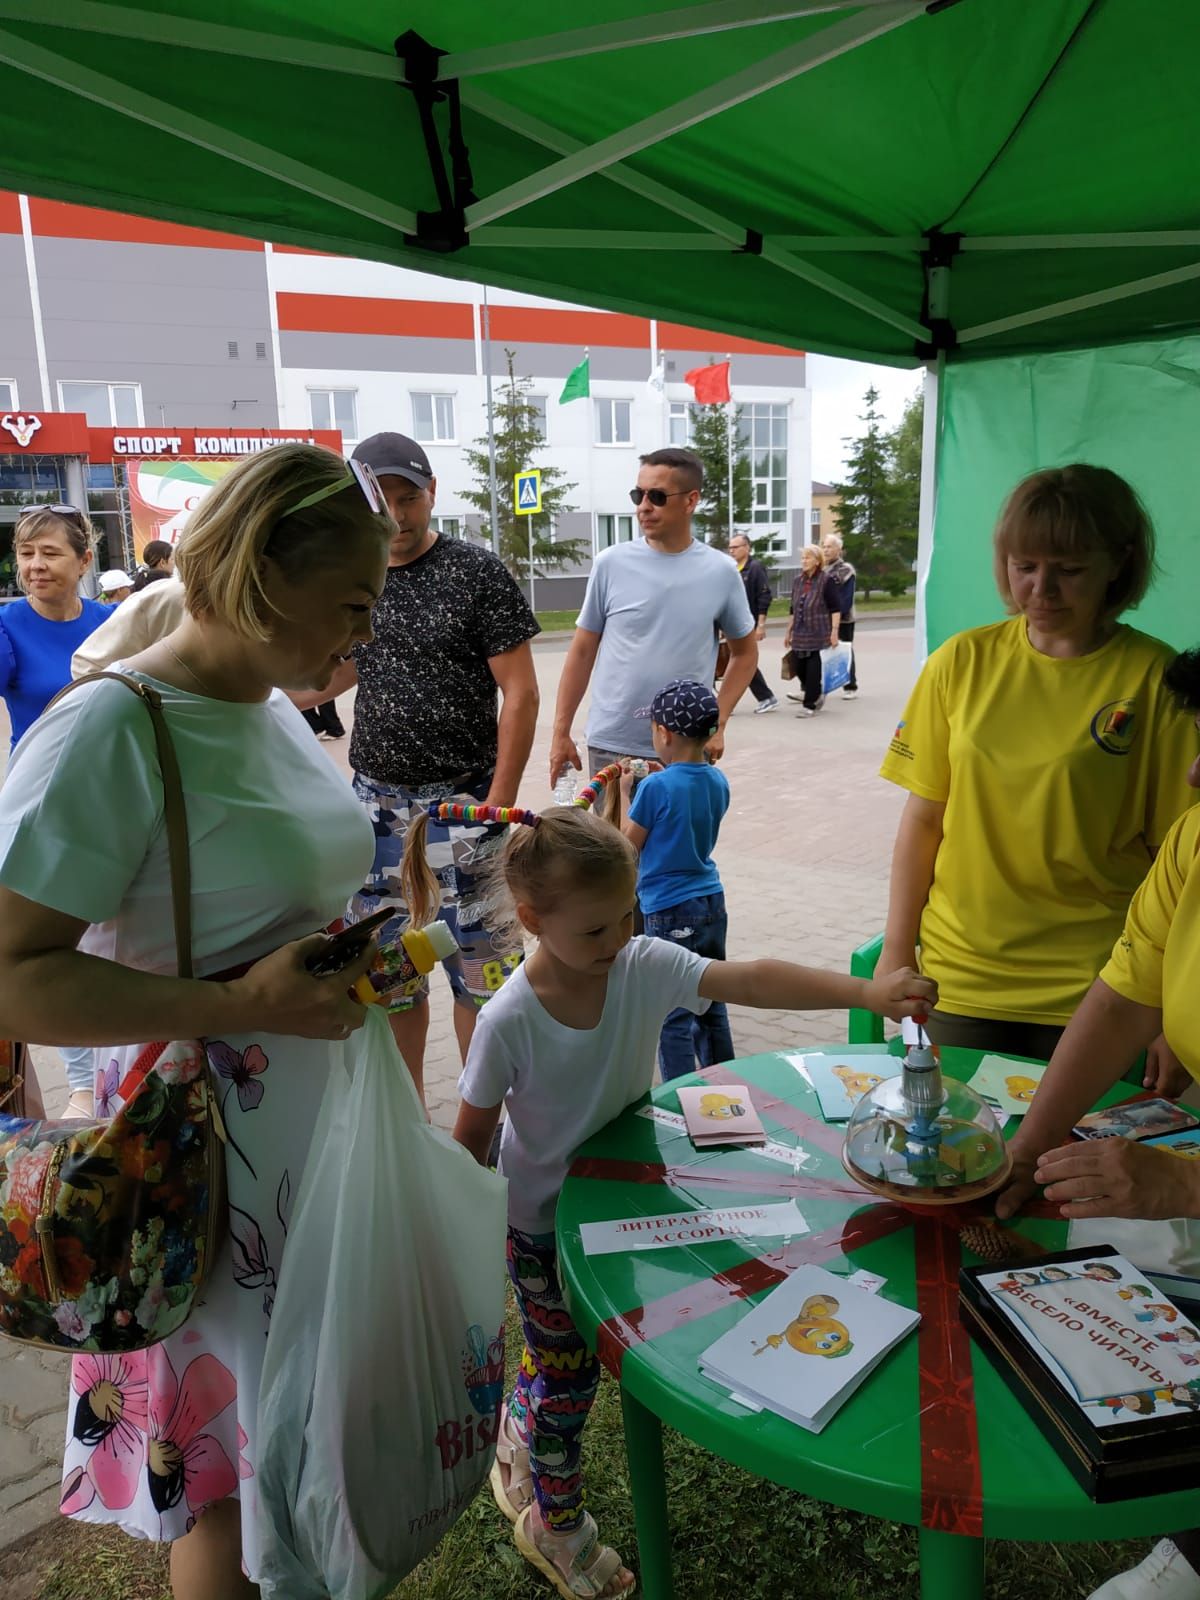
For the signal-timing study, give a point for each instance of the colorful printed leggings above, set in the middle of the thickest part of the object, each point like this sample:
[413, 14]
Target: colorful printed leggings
[556, 1384]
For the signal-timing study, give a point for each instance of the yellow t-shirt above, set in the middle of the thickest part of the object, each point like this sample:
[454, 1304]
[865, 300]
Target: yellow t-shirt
[1060, 778]
[1156, 961]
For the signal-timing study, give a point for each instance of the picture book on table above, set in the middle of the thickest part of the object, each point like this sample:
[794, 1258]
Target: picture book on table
[804, 1350]
[1185, 1143]
[1136, 1119]
[1008, 1086]
[723, 1115]
[842, 1079]
[1120, 1349]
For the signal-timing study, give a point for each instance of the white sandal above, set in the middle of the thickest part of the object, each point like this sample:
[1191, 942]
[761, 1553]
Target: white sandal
[511, 1478]
[590, 1566]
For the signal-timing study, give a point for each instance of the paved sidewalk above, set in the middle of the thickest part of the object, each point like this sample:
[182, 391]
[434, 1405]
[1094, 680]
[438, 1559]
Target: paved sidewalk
[804, 856]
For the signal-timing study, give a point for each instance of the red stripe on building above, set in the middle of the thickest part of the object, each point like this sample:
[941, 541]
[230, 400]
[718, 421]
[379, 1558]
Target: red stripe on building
[543, 325]
[56, 219]
[951, 1478]
[675, 336]
[347, 313]
[10, 212]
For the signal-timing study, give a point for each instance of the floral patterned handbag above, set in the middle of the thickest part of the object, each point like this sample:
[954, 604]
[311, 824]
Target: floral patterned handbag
[108, 1229]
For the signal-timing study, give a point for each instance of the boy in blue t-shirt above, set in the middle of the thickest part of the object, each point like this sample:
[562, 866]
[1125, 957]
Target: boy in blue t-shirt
[673, 821]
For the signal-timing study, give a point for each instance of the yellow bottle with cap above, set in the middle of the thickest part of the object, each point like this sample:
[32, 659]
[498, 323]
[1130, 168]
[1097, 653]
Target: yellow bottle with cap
[400, 967]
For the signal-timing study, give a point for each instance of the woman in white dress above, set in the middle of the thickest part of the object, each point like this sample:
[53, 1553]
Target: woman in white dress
[281, 565]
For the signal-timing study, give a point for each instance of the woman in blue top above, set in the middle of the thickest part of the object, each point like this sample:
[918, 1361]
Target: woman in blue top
[39, 634]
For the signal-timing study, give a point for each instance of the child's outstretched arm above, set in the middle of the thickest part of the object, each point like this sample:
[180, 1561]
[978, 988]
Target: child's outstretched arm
[474, 1127]
[782, 986]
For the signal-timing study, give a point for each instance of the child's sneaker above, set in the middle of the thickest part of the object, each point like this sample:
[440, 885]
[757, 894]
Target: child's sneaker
[1163, 1575]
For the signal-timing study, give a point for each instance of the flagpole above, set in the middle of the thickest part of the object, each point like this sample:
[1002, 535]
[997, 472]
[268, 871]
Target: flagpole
[729, 443]
[491, 422]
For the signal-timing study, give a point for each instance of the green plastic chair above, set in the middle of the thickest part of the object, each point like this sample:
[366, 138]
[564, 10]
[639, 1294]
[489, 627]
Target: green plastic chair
[866, 1028]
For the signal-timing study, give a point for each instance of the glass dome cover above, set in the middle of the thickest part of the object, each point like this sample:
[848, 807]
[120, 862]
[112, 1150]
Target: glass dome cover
[925, 1140]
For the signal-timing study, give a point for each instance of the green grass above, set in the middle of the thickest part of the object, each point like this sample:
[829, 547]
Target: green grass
[564, 621]
[734, 1537]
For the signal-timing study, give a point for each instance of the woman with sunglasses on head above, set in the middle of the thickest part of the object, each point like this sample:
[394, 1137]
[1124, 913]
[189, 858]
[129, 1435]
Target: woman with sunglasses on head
[281, 567]
[40, 632]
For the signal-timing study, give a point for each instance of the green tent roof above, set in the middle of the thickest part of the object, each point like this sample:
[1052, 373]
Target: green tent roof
[779, 171]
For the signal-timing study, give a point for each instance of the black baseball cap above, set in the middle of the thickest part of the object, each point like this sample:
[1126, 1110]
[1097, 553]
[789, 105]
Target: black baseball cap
[684, 707]
[395, 455]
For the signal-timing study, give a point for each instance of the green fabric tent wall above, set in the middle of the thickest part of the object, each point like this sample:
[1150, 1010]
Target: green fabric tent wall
[1134, 408]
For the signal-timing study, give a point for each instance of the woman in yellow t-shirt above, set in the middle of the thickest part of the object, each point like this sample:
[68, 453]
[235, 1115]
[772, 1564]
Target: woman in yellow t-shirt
[1044, 762]
[1151, 983]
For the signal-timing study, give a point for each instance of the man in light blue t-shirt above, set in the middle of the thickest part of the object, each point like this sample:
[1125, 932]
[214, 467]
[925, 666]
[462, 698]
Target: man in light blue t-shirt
[652, 612]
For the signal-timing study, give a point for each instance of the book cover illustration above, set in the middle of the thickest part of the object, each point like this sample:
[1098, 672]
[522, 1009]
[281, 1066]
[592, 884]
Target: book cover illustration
[803, 1350]
[1185, 1143]
[720, 1116]
[841, 1080]
[1136, 1119]
[1114, 1342]
[1007, 1086]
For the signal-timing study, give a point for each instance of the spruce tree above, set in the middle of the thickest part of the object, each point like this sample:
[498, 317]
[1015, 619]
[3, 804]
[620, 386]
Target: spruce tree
[518, 445]
[710, 441]
[868, 513]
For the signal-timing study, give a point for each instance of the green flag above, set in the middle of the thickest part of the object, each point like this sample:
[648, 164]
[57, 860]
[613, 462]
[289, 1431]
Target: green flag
[577, 386]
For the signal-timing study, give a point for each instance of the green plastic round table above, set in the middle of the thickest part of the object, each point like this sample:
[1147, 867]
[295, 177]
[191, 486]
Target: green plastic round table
[933, 1437]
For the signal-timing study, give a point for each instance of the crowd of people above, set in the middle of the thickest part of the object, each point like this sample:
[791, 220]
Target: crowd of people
[1048, 836]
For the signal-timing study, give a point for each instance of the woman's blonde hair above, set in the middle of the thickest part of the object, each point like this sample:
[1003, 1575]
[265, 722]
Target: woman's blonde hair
[815, 551]
[1076, 511]
[248, 517]
[35, 524]
[570, 849]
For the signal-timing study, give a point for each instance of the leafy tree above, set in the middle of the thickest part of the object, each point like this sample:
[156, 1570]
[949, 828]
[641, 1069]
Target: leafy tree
[710, 441]
[869, 513]
[518, 443]
[904, 447]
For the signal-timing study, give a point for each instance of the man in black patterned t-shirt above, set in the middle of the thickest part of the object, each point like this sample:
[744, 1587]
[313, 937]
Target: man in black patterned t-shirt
[451, 630]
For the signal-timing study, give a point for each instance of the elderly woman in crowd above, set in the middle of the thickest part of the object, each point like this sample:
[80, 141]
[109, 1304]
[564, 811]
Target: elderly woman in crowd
[1044, 758]
[281, 567]
[1149, 985]
[816, 613]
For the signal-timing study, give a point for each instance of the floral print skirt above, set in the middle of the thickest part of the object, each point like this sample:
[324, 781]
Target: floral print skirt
[156, 1436]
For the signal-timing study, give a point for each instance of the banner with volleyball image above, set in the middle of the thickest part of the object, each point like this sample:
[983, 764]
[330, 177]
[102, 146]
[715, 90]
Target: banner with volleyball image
[163, 495]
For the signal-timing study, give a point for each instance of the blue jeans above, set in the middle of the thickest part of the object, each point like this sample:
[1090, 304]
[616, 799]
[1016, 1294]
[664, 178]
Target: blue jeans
[686, 1039]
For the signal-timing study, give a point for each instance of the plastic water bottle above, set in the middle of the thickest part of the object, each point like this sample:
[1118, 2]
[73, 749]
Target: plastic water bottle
[564, 789]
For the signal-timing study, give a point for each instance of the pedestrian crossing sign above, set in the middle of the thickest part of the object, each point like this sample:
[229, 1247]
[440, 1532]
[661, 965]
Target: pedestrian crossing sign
[527, 493]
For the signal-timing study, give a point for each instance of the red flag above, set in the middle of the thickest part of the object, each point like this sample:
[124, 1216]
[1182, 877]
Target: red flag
[711, 383]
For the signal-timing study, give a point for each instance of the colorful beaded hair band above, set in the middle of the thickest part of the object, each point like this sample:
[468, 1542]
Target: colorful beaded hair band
[446, 812]
[591, 790]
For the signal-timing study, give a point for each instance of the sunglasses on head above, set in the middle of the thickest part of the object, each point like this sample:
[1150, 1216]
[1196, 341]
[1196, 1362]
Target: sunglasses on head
[356, 472]
[656, 497]
[70, 512]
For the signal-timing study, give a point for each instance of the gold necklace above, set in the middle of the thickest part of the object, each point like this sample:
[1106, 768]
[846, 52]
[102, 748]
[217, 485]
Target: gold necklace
[193, 675]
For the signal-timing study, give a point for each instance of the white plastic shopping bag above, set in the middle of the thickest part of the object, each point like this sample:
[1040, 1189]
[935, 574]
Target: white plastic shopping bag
[384, 1365]
[835, 667]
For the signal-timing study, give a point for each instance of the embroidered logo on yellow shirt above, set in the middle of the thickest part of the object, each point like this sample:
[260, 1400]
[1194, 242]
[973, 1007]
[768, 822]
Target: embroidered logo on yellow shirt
[1114, 727]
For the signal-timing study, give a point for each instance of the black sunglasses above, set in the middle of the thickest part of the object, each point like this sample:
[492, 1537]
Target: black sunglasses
[58, 511]
[656, 497]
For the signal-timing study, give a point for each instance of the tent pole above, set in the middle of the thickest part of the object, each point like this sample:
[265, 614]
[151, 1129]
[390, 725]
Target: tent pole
[931, 445]
[491, 419]
[1083, 302]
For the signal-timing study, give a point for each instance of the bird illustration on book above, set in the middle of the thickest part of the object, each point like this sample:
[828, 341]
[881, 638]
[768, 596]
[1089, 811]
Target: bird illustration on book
[720, 1107]
[815, 1332]
[856, 1084]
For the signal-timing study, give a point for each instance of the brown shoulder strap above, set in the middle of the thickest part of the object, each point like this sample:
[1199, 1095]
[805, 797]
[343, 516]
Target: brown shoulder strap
[174, 810]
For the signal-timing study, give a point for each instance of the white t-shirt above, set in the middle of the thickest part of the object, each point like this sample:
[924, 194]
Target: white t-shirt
[275, 835]
[561, 1085]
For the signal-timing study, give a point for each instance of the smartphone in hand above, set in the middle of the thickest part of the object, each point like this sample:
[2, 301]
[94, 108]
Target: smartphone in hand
[343, 947]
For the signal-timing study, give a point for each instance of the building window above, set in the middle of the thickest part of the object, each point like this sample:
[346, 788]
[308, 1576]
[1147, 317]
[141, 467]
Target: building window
[815, 516]
[433, 418]
[450, 527]
[335, 408]
[107, 405]
[8, 395]
[762, 429]
[537, 403]
[614, 422]
[612, 530]
[679, 424]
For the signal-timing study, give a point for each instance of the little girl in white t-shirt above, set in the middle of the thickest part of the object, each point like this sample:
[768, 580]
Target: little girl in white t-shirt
[564, 1047]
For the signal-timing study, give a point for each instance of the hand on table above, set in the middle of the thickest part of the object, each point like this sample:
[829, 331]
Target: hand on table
[1117, 1178]
[899, 994]
[1165, 1073]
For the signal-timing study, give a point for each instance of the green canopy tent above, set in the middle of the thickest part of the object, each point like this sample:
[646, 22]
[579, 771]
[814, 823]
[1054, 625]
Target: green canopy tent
[985, 186]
